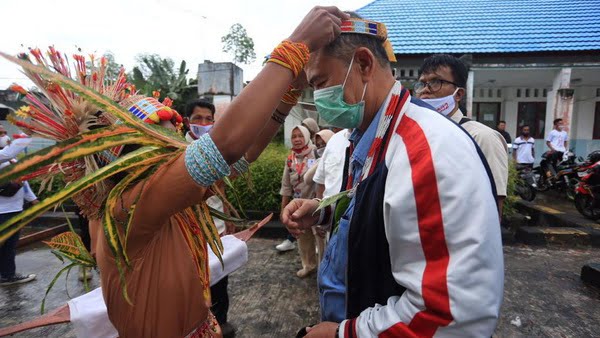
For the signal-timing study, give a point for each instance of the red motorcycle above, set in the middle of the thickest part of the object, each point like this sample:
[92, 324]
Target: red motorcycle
[587, 193]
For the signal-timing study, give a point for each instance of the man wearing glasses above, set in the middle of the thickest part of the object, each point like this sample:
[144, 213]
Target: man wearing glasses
[442, 83]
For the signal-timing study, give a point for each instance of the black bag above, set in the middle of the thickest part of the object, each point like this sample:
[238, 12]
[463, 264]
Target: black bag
[10, 189]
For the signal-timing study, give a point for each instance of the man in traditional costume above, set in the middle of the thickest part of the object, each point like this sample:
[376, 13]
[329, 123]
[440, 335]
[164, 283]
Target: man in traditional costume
[417, 250]
[142, 186]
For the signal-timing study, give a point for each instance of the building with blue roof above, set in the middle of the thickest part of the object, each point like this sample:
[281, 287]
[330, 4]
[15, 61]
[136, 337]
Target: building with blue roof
[530, 61]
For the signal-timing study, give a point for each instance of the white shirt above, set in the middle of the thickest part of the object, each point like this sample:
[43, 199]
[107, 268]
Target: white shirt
[493, 146]
[557, 139]
[15, 203]
[330, 167]
[14, 149]
[4, 141]
[524, 149]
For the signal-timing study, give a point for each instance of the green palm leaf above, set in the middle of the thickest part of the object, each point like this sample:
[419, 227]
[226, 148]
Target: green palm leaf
[66, 268]
[117, 244]
[74, 148]
[141, 157]
[209, 230]
[223, 216]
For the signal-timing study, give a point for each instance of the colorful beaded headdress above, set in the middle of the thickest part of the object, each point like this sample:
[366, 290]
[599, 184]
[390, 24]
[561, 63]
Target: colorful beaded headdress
[373, 28]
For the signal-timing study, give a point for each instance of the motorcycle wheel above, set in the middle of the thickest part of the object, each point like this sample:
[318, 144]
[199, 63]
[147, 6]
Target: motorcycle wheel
[526, 192]
[573, 183]
[585, 206]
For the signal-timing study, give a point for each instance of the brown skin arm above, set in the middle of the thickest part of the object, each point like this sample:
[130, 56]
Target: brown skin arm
[272, 127]
[266, 135]
[172, 189]
[231, 136]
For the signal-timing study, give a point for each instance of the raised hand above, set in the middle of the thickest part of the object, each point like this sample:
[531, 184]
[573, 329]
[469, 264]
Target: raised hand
[319, 27]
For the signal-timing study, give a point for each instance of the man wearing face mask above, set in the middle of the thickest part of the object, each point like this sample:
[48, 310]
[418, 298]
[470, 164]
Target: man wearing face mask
[442, 83]
[417, 250]
[200, 118]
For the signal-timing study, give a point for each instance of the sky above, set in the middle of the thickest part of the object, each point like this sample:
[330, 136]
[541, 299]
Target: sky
[179, 29]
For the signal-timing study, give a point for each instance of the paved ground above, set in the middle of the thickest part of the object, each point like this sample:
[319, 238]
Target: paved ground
[554, 203]
[542, 288]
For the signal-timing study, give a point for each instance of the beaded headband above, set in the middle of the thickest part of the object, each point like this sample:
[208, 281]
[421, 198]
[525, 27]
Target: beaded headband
[150, 110]
[373, 28]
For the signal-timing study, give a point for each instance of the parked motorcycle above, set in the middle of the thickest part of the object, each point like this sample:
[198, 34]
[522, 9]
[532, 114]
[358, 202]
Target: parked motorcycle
[563, 178]
[587, 194]
[526, 185]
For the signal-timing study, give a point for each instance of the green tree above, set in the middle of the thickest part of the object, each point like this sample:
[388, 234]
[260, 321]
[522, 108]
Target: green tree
[156, 73]
[239, 44]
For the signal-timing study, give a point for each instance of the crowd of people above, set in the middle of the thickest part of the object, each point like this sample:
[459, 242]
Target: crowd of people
[396, 205]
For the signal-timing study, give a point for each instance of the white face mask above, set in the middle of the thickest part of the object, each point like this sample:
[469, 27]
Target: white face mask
[320, 151]
[443, 105]
[200, 129]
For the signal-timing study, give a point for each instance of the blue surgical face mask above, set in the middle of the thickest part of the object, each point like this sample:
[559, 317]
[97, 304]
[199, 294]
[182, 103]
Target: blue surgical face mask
[332, 108]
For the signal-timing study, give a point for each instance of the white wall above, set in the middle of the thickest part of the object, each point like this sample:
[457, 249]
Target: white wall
[585, 105]
[582, 123]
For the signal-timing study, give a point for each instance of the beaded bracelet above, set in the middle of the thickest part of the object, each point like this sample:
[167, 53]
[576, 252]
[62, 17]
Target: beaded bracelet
[204, 162]
[291, 55]
[241, 166]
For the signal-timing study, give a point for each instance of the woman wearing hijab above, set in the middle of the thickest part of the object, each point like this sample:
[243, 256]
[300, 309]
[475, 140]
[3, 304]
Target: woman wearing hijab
[312, 126]
[293, 185]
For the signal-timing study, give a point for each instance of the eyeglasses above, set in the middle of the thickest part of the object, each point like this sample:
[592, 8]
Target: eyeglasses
[433, 85]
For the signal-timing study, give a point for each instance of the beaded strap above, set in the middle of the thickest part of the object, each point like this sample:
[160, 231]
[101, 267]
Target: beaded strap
[204, 162]
[291, 55]
[241, 166]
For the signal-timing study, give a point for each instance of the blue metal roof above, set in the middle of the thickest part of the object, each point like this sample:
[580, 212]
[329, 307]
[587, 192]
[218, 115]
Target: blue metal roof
[488, 26]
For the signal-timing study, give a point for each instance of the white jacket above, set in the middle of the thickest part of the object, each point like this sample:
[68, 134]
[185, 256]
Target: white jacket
[442, 226]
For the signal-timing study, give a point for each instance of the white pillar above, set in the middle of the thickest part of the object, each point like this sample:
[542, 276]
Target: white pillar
[562, 99]
[469, 89]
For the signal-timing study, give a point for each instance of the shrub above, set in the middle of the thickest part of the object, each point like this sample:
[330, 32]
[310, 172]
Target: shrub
[266, 180]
